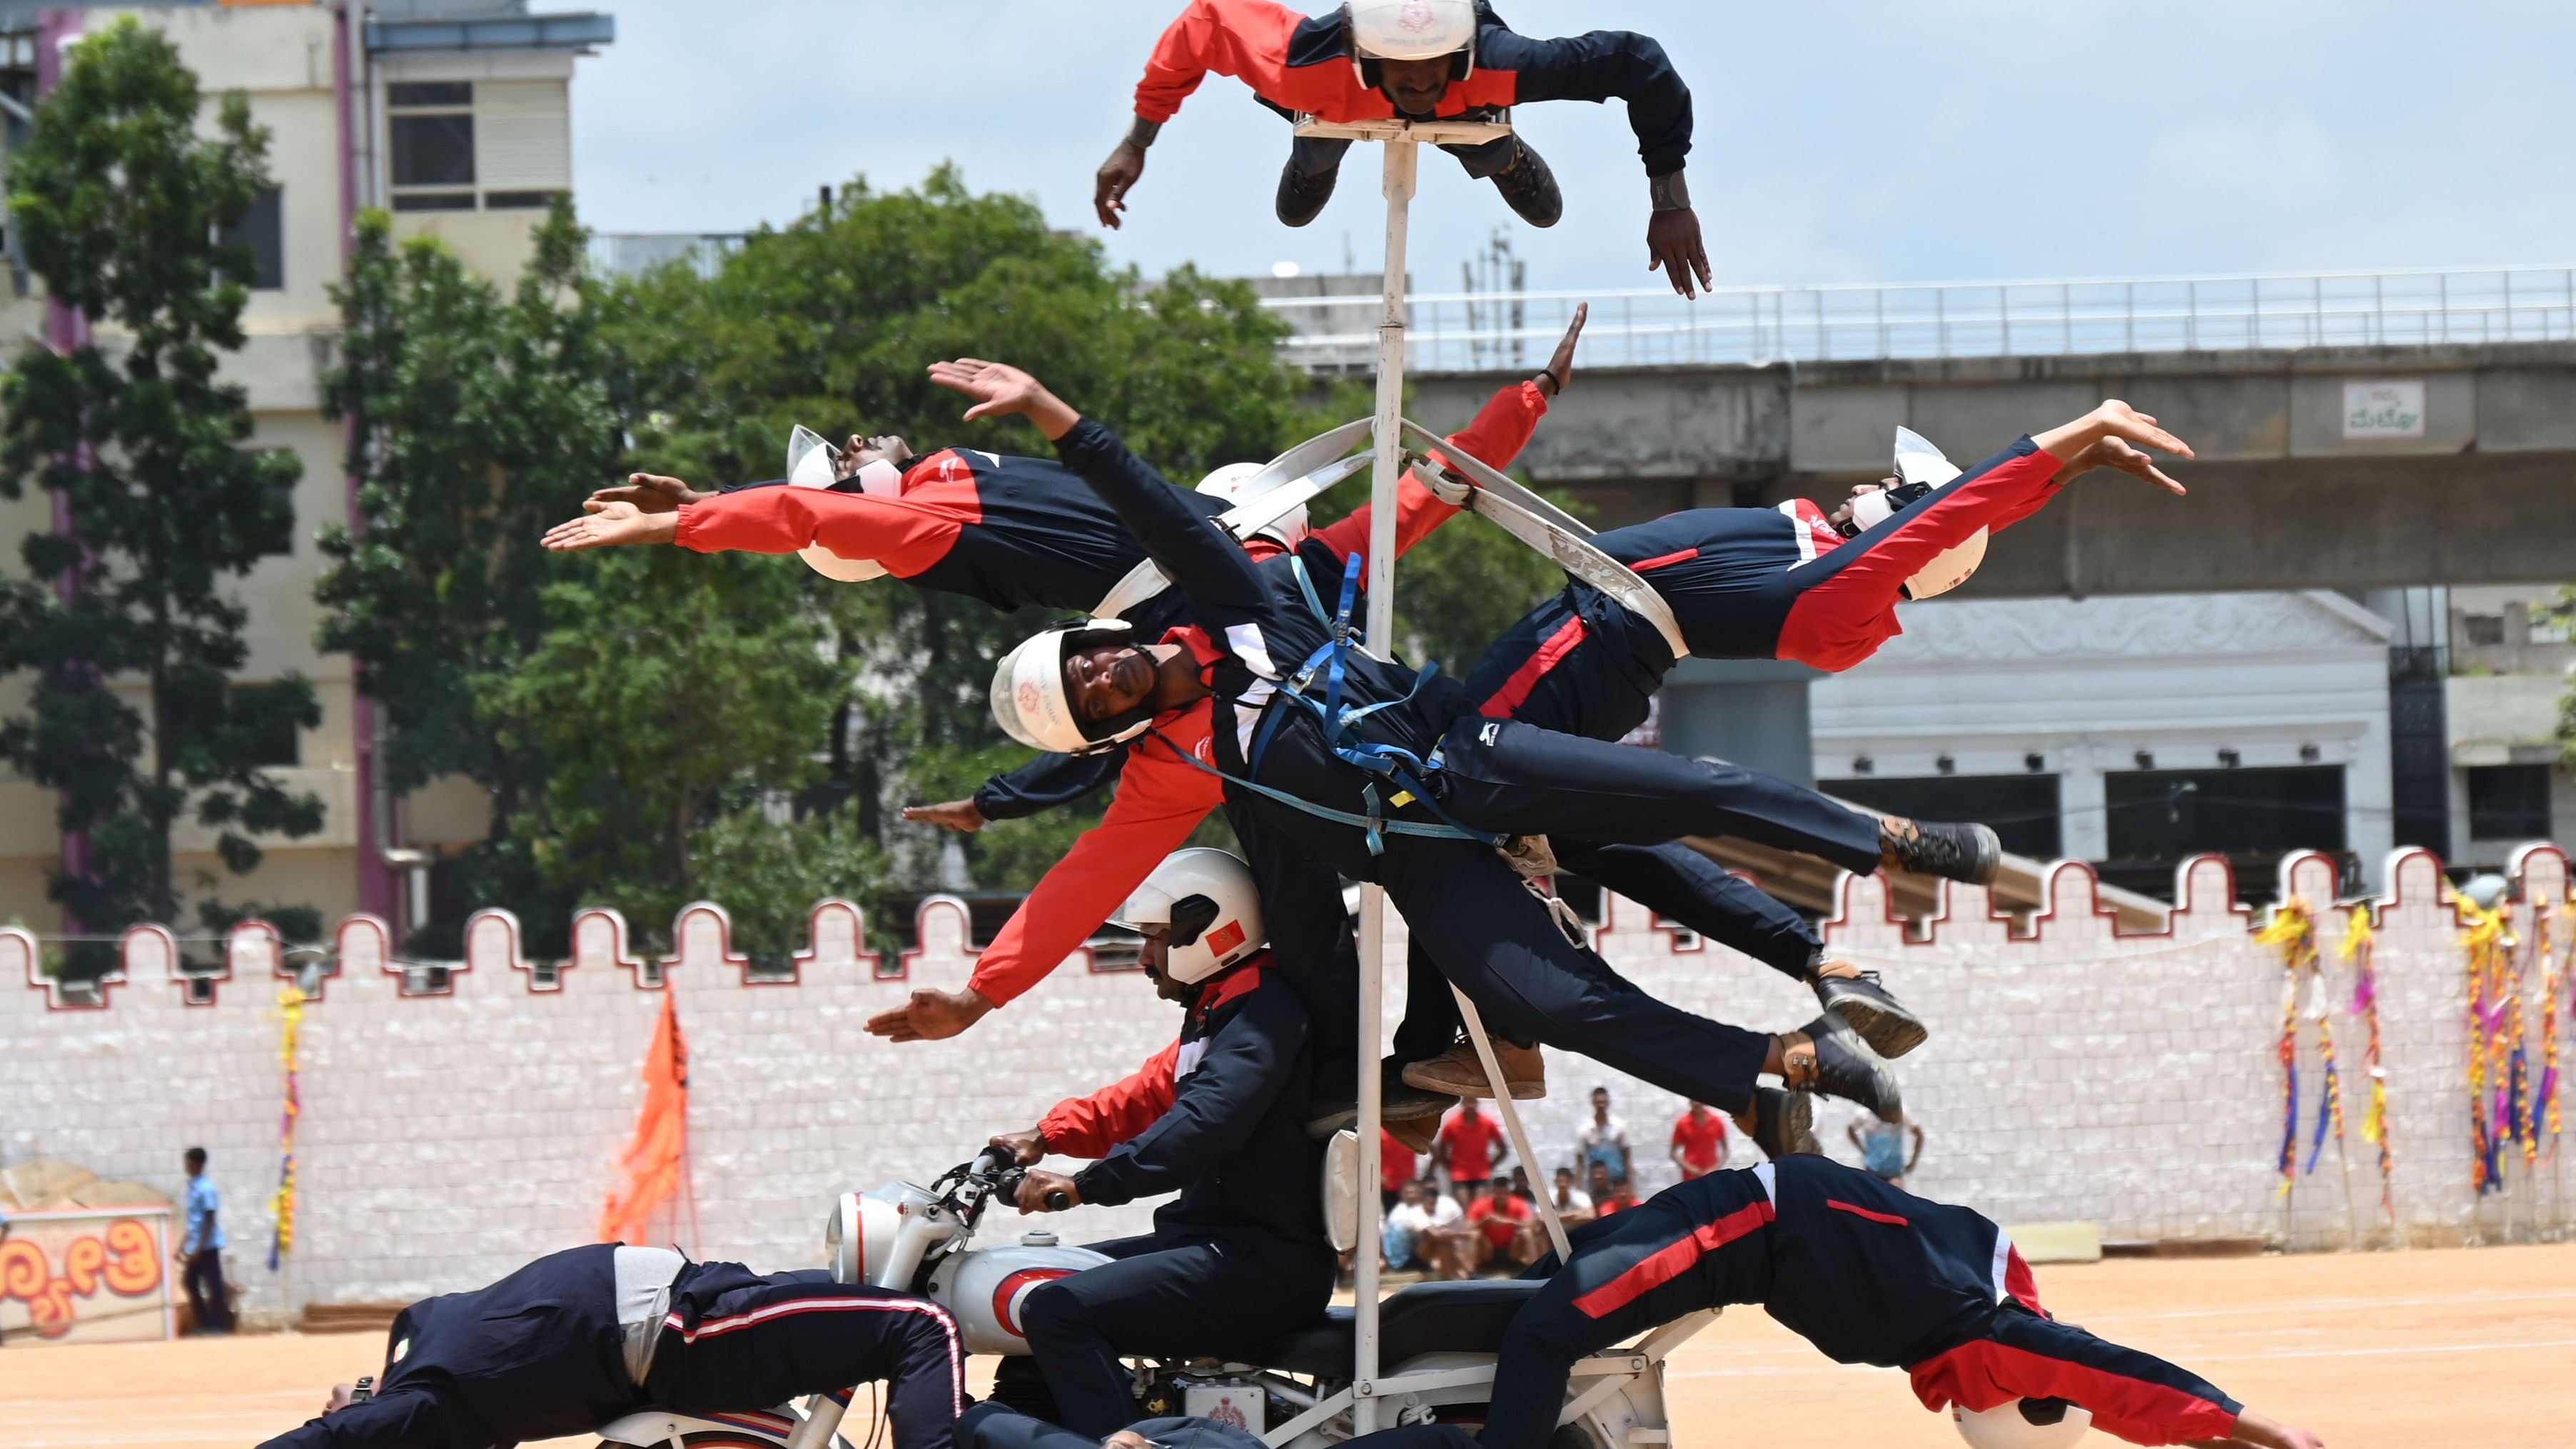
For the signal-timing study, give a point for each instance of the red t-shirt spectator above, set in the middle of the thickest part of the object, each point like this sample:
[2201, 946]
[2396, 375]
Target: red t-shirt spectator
[1499, 1217]
[1475, 1143]
[1702, 1143]
[1616, 1200]
[1396, 1163]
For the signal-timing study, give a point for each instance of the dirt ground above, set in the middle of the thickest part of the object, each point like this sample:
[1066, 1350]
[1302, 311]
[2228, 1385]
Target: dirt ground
[2374, 1351]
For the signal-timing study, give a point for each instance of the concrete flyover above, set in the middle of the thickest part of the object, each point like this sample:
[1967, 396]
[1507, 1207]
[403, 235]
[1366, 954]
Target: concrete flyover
[2357, 431]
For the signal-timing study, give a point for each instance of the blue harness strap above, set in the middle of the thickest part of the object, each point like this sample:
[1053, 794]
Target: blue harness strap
[1392, 764]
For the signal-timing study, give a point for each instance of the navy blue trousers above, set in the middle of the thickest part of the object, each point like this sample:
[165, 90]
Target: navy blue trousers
[1211, 1296]
[1485, 932]
[1519, 779]
[1671, 1255]
[786, 1335]
[994, 1426]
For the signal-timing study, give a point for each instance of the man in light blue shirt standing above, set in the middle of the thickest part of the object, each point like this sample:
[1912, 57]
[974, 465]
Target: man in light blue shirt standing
[201, 1254]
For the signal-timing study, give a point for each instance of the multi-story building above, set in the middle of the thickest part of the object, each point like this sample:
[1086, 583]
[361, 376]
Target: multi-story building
[2512, 671]
[455, 116]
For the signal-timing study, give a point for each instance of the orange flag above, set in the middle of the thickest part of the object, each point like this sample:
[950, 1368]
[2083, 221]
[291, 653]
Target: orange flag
[653, 1159]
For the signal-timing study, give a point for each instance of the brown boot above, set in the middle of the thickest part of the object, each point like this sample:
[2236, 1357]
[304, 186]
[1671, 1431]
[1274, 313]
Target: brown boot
[1458, 1071]
[1416, 1133]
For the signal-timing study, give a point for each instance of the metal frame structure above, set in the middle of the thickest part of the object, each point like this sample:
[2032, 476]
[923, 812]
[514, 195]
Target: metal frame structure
[2050, 317]
[1402, 142]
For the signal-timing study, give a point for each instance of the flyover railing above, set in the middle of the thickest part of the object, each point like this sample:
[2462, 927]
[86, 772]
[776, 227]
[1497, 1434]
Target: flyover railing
[1469, 331]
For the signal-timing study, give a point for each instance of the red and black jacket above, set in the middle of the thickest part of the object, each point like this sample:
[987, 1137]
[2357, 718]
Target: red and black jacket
[1014, 532]
[1300, 63]
[1220, 1115]
[1743, 583]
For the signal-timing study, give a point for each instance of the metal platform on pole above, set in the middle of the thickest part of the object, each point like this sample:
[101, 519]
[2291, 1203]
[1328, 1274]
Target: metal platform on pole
[1402, 141]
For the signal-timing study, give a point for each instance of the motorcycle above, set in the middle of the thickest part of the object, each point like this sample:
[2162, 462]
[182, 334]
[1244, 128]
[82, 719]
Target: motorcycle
[1436, 1341]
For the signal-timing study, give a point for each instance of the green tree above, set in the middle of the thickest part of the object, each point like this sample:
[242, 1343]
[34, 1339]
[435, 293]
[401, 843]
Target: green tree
[672, 698]
[479, 418]
[121, 201]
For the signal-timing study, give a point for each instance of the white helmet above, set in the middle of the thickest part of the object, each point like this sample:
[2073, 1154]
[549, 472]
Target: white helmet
[1029, 699]
[1920, 469]
[1208, 898]
[1287, 530]
[809, 465]
[2022, 1424]
[1411, 30]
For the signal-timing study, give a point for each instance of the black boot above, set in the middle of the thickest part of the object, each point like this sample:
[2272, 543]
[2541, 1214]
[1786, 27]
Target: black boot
[1969, 853]
[1780, 1123]
[1329, 1112]
[1528, 187]
[1868, 1008]
[1829, 1057]
[1303, 194]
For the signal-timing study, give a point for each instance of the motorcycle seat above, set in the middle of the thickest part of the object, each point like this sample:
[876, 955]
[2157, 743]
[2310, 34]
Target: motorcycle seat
[1425, 1318]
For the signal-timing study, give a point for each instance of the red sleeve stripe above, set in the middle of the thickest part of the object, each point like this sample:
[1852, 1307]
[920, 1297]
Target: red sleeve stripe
[2018, 1283]
[1661, 559]
[1670, 1262]
[1982, 1373]
[1858, 1211]
[1547, 656]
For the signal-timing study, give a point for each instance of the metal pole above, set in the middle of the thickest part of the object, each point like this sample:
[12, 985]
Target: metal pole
[1398, 187]
[1547, 1214]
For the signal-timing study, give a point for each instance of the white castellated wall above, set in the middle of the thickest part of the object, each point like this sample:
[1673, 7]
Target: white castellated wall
[2073, 1073]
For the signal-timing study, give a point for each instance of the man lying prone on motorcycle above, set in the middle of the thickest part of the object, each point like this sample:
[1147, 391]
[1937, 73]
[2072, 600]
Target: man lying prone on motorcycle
[1241, 1257]
[583, 1337]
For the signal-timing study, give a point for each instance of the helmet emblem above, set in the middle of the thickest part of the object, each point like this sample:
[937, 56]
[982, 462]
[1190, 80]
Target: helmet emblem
[1027, 697]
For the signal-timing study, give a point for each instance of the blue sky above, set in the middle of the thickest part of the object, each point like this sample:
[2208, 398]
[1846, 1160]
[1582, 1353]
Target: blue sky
[1859, 141]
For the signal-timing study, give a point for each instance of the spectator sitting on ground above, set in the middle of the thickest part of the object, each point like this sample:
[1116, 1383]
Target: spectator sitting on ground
[1604, 1139]
[1882, 1147]
[1573, 1208]
[1609, 1197]
[1573, 1204]
[1498, 1218]
[1521, 1185]
[1699, 1142]
[1416, 1213]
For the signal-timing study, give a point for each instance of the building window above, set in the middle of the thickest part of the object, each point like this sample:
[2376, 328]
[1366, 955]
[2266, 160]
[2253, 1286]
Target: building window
[262, 230]
[2253, 817]
[2021, 808]
[2509, 802]
[279, 541]
[518, 200]
[431, 127]
[2485, 630]
[278, 742]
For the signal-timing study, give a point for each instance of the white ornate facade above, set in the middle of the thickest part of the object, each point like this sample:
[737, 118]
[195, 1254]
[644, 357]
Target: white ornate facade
[2073, 1073]
[2088, 685]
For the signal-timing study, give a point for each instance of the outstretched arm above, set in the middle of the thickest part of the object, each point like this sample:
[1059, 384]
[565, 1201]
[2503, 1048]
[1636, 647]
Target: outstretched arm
[2264, 1433]
[1205, 562]
[1229, 37]
[1631, 67]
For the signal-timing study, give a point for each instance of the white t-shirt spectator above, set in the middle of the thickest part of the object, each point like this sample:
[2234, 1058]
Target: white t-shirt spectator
[1420, 1217]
